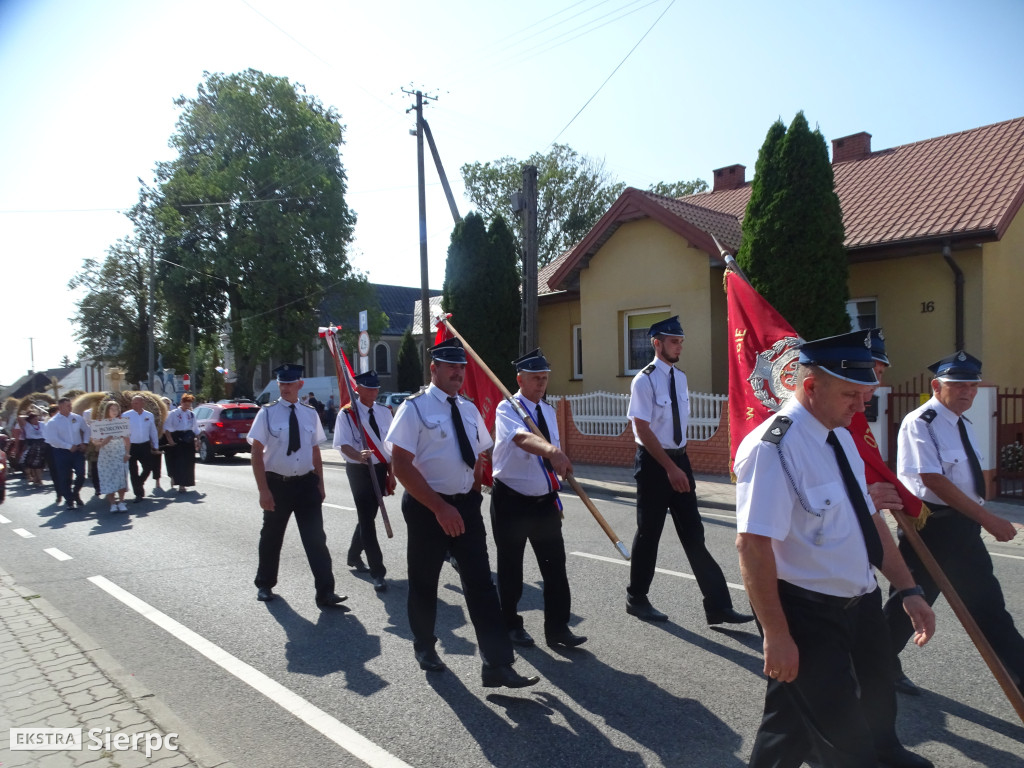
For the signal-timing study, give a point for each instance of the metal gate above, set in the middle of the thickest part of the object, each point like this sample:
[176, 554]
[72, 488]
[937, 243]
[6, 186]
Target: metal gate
[1010, 443]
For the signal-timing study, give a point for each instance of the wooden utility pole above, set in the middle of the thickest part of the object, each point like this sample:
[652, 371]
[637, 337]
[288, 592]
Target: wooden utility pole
[529, 338]
[151, 318]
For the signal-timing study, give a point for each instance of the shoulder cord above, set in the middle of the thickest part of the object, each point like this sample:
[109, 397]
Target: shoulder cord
[935, 442]
[792, 482]
[412, 401]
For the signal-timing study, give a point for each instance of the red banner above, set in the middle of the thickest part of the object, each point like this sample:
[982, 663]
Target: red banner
[481, 390]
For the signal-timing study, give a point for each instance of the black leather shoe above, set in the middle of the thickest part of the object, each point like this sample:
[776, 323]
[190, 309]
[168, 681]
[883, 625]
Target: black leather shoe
[727, 616]
[429, 660]
[379, 584]
[78, 501]
[907, 686]
[357, 564]
[263, 594]
[901, 757]
[644, 611]
[505, 676]
[69, 506]
[137, 499]
[565, 639]
[331, 600]
[520, 637]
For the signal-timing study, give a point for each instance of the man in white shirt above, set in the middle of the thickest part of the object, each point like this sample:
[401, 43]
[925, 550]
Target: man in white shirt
[68, 436]
[144, 442]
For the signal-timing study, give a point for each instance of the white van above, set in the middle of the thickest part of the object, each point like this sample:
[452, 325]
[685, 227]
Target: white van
[321, 386]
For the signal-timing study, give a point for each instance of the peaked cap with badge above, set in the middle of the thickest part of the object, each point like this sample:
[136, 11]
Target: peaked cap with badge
[449, 351]
[369, 379]
[288, 372]
[846, 356]
[878, 346]
[668, 327]
[960, 366]
[532, 362]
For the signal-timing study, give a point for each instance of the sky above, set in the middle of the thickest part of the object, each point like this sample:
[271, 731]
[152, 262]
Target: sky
[661, 90]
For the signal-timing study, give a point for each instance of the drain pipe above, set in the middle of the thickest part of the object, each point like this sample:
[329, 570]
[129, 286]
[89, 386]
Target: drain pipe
[958, 282]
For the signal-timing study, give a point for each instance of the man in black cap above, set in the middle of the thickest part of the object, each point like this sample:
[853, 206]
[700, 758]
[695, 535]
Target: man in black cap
[659, 410]
[938, 459]
[525, 505]
[437, 438]
[808, 539]
[374, 422]
[285, 438]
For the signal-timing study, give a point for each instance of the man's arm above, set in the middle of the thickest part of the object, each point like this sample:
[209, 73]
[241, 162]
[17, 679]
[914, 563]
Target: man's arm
[894, 568]
[943, 487]
[760, 577]
[318, 467]
[538, 446]
[676, 477]
[412, 480]
[260, 473]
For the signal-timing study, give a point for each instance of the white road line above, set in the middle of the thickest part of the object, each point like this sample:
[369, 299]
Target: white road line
[1012, 557]
[337, 506]
[54, 552]
[4, 520]
[23, 533]
[620, 561]
[341, 734]
[730, 518]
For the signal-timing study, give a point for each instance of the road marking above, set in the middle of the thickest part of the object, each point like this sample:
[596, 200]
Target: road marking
[730, 518]
[23, 533]
[4, 520]
[1012, 557]
[337, 506]
[341, 734]
[620, 561]
[54, 552]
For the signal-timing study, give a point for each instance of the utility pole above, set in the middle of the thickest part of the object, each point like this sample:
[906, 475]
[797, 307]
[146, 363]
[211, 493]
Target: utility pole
[149, 322]
[525, 203]
[31, 355]
[192, 354]
[424, 272]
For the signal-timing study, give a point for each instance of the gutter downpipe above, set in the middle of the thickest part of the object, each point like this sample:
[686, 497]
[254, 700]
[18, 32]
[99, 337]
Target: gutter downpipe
[958, 282]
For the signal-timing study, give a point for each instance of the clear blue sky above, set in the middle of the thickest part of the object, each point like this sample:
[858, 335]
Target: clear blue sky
[88, 87]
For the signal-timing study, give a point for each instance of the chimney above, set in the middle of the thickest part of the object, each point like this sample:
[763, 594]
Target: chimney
[855, 147]
[730, 177]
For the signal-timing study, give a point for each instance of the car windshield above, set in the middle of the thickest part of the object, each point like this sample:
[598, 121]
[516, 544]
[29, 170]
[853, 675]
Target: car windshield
[238, 414]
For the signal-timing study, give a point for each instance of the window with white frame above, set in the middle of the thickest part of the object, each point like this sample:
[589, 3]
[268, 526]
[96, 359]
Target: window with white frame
[863, 314]
[382, 358]
[637, 350]
[577, 351]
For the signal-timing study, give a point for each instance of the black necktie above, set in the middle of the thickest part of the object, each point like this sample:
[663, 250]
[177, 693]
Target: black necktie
[460, 432]
[972, 459]
[373, 422]
[867, 527]
[293, 433]
[542, 425]
[677, 426]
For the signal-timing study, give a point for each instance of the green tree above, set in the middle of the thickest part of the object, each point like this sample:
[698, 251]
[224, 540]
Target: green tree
[410, 368]
[793, 234]
[212, 388]
[252, 215]
[112, 319]
[481, 290]
[573, 192]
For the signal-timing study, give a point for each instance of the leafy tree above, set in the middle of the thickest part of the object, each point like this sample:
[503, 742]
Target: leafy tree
[573, 192]
[112, 319]
[65, 362]
[481, 290]
[252, 215]
[212, 388]
[793, 234]
[410, 368]
[679, 188]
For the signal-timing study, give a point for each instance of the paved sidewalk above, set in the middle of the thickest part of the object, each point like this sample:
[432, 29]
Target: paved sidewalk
[54, 676]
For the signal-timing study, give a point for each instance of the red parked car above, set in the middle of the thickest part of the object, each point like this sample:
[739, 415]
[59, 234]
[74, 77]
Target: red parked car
[223, 428]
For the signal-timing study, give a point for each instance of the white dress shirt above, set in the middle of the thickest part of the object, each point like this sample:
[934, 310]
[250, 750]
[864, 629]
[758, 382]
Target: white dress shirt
[345, 432]
[270, 428]
[181, 420]
[650, 399]
[521, 471]
[143, 427]
[66, 431]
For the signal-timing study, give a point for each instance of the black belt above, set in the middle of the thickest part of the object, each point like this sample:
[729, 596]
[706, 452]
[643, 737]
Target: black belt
[674, 453]
[289, 478]
[502, 488]
[940, 511]
[833, 601]
[452, 498]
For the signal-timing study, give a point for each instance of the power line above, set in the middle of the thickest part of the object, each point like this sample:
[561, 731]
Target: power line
[673, 2]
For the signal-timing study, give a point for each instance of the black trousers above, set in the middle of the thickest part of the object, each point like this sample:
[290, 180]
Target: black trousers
[956, 543]
[140, 464]
[364, 539]
[516, 520]
[820, 714]
[181, 458]
[428, 548]
[301, 497]
[655, 497]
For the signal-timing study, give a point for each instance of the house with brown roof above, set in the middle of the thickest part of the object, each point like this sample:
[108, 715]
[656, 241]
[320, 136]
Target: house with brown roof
[935, 241]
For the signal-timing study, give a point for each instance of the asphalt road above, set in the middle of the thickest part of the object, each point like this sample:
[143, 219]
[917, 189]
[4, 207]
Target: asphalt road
[167, 591]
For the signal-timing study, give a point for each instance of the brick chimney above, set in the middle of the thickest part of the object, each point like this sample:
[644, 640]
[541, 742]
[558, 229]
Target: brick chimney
[855, 147]
[730, 177]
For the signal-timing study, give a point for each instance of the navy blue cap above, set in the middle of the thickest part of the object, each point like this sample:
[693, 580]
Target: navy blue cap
[449, 351]
[957, 367]
[878, 346]
[670, 327]
[847, 356]
[368, 380]
[288, 372]
[532, 362]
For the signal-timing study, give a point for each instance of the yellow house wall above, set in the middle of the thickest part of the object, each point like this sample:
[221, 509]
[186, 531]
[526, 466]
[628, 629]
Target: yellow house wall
[554, 330]
[904, 289]
[1002, 337]
[644, 265]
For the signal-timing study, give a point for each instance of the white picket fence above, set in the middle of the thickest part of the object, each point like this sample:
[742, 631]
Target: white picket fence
[603, 414]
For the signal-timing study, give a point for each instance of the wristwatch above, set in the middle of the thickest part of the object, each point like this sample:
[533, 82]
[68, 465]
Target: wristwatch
[917, 589]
